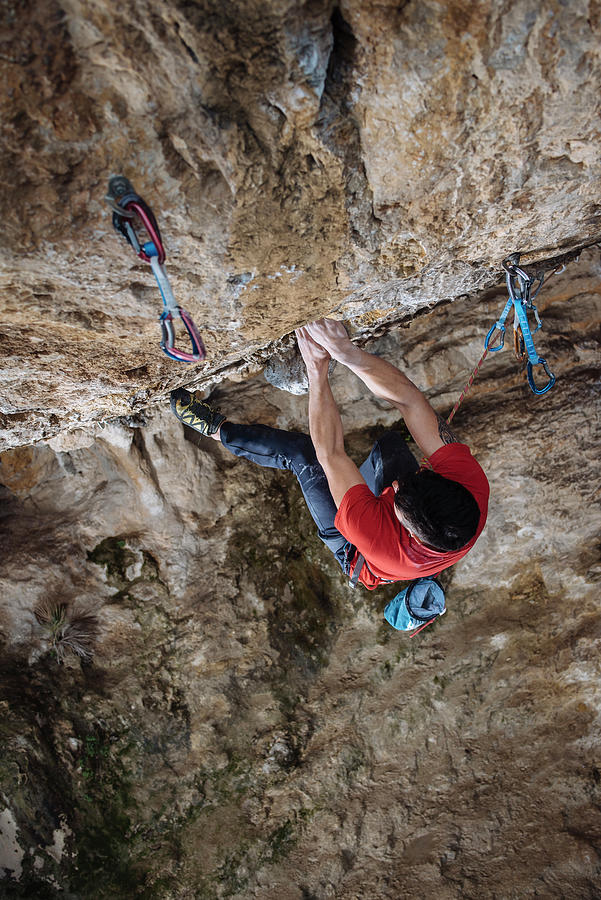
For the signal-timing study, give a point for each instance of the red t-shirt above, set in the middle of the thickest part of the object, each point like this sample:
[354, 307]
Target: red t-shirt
[391, 553]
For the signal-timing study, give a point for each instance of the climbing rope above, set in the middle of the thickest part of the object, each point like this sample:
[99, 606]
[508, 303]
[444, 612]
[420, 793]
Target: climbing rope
[468, 385]
[127, 206]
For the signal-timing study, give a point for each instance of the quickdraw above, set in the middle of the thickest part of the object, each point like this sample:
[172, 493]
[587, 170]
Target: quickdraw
[127, 206]
[521, 300]
[519, 287]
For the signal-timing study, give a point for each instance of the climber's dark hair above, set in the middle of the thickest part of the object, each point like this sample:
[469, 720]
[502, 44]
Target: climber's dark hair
[442, 513]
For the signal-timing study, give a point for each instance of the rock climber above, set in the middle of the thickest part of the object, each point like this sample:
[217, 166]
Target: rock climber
[390, 519]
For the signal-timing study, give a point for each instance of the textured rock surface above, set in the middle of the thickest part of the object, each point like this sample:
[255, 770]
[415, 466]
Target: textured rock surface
[249, 727]
[374, 158]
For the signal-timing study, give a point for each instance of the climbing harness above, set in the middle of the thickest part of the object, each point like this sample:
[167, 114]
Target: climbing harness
[127, 206]
[519, 286]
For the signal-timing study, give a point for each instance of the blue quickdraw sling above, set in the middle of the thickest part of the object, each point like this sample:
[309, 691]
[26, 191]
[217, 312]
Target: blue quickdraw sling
[127, 206]
[519, 287]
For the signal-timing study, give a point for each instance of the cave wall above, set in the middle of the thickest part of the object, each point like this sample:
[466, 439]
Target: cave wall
[249, 726]
[368, 158]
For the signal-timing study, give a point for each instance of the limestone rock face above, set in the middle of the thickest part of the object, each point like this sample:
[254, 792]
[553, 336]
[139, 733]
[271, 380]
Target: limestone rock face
[249, 727]
[302, 157]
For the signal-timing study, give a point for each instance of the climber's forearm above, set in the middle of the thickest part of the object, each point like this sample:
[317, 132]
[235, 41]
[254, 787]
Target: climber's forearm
[389, 383]
[325, 428]
[325, 424]
[381, 377]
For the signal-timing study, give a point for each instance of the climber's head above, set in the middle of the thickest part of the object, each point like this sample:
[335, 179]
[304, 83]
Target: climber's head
[439, 512]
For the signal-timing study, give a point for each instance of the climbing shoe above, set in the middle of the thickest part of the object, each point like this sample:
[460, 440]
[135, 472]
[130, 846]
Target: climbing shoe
[195, 413]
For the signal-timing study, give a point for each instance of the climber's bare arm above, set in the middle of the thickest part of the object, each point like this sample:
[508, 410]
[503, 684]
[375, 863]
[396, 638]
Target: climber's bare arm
[385, 381]
[325, 424]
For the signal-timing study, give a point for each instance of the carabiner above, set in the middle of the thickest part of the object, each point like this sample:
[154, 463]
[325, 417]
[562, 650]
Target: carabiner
[509, 282]
[167, 344]
[170, 311]
[125, 203]
[500, 324]
[549, 384]
[519, 348]
[510, 264]
[488, 337]
[521, 274]
[539, 324]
